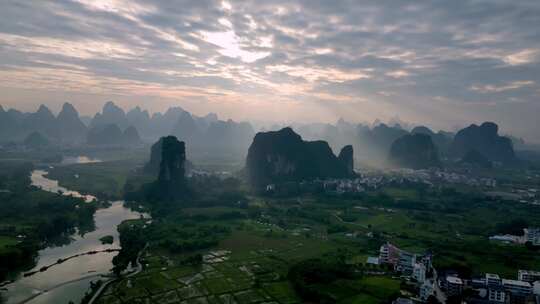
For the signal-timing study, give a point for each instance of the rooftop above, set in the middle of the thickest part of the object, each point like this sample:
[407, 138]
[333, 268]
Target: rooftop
[516, 283]
[529, 272]
[454, 280]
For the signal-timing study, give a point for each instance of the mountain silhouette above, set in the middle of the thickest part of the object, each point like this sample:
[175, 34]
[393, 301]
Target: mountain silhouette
[485, 140]
[415, 151]
[70, 127]
[280, 156]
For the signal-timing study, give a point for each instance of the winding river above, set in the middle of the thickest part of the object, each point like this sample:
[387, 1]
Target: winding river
[69, 280]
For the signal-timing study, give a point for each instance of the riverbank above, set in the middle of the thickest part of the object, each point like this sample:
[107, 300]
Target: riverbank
[62, 260]
[104, 180]
[104, 286]
[32, 219]
[61, 273]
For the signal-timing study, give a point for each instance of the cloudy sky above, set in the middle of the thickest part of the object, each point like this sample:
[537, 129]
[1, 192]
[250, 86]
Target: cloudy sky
[441, 63]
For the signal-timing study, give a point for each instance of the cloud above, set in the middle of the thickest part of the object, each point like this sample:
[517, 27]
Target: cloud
[398, 74]
[230, 46]
[501, 88]
[523, 57]
[437, 62]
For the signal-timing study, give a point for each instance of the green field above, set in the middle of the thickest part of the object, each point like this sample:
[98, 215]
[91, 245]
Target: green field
[250, 243]
[252, 268]
[6, 242]
[400, 193]
[105, 179]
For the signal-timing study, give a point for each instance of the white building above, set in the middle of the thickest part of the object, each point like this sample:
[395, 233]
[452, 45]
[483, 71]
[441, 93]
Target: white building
[532, 235]
[496, 293]
[528, 275]
[419, 272]
[389, 254]
[406, 263]
[493, 279]
[453, 285]
[517, 287]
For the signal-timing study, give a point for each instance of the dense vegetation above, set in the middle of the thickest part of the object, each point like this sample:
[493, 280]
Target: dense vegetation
[105, 180]
[173, 228]
[31, 218]
[310, 277]
[132, 241]
[284, 238]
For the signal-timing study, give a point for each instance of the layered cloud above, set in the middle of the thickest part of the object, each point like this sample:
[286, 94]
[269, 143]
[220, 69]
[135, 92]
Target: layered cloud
[443, 63]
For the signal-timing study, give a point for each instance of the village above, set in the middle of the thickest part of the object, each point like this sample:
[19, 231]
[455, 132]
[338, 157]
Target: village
[448, 287]
[372, 180]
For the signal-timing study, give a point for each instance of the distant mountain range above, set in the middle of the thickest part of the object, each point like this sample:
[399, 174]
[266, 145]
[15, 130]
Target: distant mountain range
[66, 127]
[373, 145]
[113, 126]
[208, 136]
[111, 135]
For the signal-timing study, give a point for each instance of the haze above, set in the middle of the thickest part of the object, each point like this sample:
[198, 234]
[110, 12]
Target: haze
[445, 64]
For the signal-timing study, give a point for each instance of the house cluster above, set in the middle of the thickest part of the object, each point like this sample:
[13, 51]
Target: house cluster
[341, 186]
[491, 289]
[437, 176]
[530, 236]
[431, 177]
[417, 267]
[373, 180]
[329, 186]
[487, 289]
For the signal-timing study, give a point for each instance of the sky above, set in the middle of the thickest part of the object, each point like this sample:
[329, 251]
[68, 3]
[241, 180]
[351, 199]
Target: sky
[444, 64]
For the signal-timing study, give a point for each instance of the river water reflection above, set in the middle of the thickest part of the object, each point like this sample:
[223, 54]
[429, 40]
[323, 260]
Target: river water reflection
[69, 280]
[39, 180]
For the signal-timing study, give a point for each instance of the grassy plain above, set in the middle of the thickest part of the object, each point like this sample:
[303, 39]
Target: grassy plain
[104, 179]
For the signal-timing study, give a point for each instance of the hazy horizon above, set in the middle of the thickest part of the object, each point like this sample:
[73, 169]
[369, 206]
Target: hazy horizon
[258, 125]
[444, 65]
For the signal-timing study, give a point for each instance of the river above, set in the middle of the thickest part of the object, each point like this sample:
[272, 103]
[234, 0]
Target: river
[69, 280]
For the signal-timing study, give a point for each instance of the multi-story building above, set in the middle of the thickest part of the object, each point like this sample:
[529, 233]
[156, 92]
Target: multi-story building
[519, 291]
[515, 286]
[406, 262]
[493, 279]
[528, 276]
[419, 272]
[427, 260]
[496, 293]
[478, 282]
[532, 235]
[426, 290]
[389, 254]
[452, 285]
